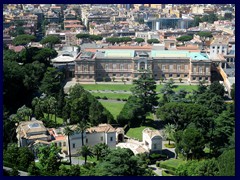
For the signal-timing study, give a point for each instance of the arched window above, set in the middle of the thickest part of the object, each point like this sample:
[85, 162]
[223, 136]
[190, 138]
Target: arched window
[142, 65]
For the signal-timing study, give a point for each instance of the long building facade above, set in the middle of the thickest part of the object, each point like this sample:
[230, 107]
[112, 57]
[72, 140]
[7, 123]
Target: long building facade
[104, 64]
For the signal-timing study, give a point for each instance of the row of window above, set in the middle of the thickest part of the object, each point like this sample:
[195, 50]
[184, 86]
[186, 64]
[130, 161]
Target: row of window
[121, 66]
[200, 78]
[74, 145]
[60, 144]
[200, 69]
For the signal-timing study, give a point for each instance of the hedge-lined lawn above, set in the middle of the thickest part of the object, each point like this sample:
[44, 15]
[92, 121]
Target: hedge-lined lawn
[127, 87]
[113, 107]
[137, 132]
[172, 163]
[115, 87]
[112, 95]
[178, 87]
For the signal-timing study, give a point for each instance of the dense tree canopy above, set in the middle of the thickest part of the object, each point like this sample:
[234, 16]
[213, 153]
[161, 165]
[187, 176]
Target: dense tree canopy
[152, 41]
[23, 39]
[50, 40]
[185, 38]
[145, 91]
[120, 162]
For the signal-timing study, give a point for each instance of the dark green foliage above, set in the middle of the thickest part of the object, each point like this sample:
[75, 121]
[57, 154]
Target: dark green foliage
[14, 172]
[192, 143]
[86, 151]
[51, 82]
[50, 40]
[144, 91]
[209, 18]
[182, 114]
[223, 129]
[217, 88]
[33, 170]
[73, 171]
[212, 101]
[95, 37]
[81, 36]
[120, 162]
[49, 159]
[139, 40]
[204, 34]
[60, 102]
[226, 163]
[80, 105]
[233, 92]
[19, 157]
[152, 41]
[10, 55]
[101, 150]
[185, 38]
[199, 168]
[23, 39]
[45, 55]
[131, 113]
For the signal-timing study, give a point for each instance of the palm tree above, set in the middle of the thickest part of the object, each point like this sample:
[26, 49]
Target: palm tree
[37, 104]
[81, 127]
[24, 112]
[50, 105]
[68, 131]
[86, 151]
[169, 129]
[100, 150]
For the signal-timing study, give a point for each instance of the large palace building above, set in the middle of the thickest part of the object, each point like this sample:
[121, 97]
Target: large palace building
[104, 64]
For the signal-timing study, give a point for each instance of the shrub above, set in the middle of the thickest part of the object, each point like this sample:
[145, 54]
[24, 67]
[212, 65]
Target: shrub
[97, 97]
[118, 99]
[169, 146]
[104, 97]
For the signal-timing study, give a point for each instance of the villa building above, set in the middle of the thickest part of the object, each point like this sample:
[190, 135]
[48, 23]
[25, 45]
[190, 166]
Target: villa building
[103, 64]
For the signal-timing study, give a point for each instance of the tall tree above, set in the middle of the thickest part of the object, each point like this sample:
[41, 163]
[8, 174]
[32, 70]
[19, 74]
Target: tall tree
[120, 162]
[100, 150]
[68, 131]
[38, 107]
[192, 143]
[81, 127]
[24, 40]
[51, 40]
[217, 88]
[169, 130]
[49, 159]
[51, 82]
[145, 90]
[85, 151]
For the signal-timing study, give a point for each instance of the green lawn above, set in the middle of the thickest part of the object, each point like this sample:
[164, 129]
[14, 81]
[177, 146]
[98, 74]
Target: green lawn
[114, 107]
[136, 132]
[127, 87]
[112, 95]
[115, 87]
[178, 87]
[172, 163]
[89, 159]
[52, 117]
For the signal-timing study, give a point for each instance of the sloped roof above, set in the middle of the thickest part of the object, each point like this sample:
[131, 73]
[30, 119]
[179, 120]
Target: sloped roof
[101, 128]
[151, 133]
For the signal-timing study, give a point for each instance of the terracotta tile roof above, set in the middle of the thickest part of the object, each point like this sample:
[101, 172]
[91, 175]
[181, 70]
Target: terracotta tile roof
[38, 136]
[101, 128]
